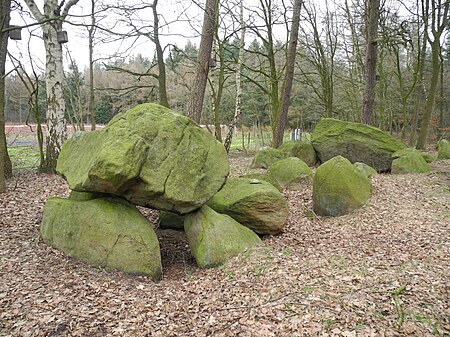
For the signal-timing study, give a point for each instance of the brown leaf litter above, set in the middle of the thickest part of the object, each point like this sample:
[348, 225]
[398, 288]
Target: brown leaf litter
[382, 270]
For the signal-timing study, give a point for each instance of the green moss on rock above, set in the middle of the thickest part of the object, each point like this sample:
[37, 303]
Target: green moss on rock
[365, 169]
[411, 151]
[410, 163]
[291, 172]
[267, 156]
[264, 177]
[338, 188]
[303, 150]
[444, 149]
[149, 155]
[355, 141]
[253, 203]
[104, 232]
[214, 238]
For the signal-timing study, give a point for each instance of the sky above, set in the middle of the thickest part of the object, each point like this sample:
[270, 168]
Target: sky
[32, 44]
[177, 31]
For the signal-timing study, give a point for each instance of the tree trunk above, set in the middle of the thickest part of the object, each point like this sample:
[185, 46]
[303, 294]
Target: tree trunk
[429, 106]
[56, 106]
[219, 93]
[439, 21]
[5, 162]
[287, 85]
[91, 67]
[371, 62]
[163, 100]
[54, 76]
[237, 111]
[204, 54]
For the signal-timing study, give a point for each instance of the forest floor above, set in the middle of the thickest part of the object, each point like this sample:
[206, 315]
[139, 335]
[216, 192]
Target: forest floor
[382, 270]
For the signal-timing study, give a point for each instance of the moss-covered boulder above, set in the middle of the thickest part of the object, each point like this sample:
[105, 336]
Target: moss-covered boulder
[169, 220]
[356, 142]
[291, 172]
[149, 155]
[444, 149]
[339, 188]
[253, 203]
[267, 156]
[214, 238]
[408, 151]
[265, 177]
[303, 150]
[365, 170]
[104, 232]
[412, 162]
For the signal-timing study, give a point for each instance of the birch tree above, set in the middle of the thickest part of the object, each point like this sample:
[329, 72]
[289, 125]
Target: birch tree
[237, 111]
[51, 19]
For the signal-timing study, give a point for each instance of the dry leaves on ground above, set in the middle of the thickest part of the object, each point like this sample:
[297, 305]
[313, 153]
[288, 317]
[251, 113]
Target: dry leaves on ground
[380, 271]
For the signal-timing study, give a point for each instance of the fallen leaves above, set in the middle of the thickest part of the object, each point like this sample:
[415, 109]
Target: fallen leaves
[321, 277]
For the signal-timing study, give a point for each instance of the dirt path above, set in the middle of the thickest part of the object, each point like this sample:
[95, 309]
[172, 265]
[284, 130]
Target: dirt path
[380, 271]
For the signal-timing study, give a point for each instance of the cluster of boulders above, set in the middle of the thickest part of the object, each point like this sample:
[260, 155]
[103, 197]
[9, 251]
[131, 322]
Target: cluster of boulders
[153, 157]
[349, 155]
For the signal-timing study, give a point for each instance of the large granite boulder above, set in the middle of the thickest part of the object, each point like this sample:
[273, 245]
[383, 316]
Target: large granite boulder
[303, 150]
[214, 238]
[291, 172]
[356, 142]
[253, 203]
[106, 232]
[444, 149]
[151, 156]
[338, 187]
[267, 156]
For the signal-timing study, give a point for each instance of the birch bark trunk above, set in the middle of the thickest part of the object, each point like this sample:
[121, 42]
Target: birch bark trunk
[237, 111]
[51, 23]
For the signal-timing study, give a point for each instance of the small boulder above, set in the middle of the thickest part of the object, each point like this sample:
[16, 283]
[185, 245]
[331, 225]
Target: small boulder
[303, 150]
[267, 156]
[408, 151]
[291, 172]
[151, 156]
[104, 232]
[444, 149]
[169, 220]
[355, 141]
[338, 188]
[365, 170]
[214, 238]
[412, 162]
[253, 203]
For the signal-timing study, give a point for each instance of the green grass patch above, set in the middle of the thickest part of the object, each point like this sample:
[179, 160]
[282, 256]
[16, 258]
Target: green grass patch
[24, 158]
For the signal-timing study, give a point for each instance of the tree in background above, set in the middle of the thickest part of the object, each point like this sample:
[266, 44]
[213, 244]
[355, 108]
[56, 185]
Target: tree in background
[289, 76]
[439, 18]
[371, 62]
[197, 95]
[51, 20]
[5, 163]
